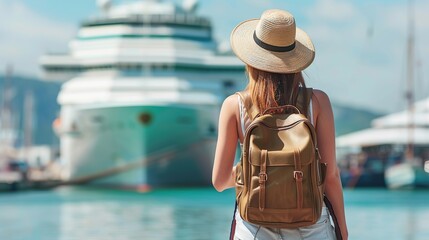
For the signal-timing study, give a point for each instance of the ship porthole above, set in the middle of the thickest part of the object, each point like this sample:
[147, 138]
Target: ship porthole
[145, 118]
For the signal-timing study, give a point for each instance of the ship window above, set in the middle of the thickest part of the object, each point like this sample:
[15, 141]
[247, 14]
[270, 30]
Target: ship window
[181, 18]
[97, 119]
[155, 19]
[228, 83]
[212, 129]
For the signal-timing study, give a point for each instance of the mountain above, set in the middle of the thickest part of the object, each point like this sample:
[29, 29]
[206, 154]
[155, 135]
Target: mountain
[46, 109]
[350, 119]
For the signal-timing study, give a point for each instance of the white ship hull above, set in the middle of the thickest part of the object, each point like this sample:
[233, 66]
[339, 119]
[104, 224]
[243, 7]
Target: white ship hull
[139, 146]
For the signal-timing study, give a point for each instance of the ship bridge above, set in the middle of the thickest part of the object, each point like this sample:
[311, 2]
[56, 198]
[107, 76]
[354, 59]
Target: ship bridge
[140, 36]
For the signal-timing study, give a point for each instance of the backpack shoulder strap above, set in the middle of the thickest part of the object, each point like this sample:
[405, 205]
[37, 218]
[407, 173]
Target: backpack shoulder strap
[252, 111]
[303, 101]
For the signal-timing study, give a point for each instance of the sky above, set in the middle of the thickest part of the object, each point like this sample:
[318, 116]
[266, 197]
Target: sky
[361, 45]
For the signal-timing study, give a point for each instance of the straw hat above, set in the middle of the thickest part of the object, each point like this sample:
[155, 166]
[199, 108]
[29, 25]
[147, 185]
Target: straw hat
[273, 43]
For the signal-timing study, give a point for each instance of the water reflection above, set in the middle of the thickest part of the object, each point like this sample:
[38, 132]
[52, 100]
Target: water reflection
[163, 215]
[191, 214]
[382, 214]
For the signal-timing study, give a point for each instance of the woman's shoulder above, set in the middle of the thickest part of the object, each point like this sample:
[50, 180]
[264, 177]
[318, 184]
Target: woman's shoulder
[321, 98]
[231, 100]
[230, 104]
[320, 94]
[321, 105]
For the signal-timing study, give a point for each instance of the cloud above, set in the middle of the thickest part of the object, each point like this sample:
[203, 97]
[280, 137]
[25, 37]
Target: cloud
[26, 35]
[333, 10]
[259, 3]
[360, 46]
[361, 51]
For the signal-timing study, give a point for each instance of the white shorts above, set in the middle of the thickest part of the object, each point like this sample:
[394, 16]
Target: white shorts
[321, 230]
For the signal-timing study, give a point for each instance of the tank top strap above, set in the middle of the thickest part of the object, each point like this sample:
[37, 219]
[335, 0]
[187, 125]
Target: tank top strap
[310, 111]
[244, 117]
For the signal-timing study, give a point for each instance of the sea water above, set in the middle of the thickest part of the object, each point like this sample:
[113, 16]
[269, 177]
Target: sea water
[171, 214]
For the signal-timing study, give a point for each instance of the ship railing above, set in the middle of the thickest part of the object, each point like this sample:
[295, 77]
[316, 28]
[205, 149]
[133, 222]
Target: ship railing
[138, 19]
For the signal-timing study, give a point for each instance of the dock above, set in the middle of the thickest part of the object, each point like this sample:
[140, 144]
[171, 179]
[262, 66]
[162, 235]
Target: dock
[11, 181]
[30, 185]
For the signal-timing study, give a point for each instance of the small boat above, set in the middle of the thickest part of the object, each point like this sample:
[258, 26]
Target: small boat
[410, 172]
[407, 175]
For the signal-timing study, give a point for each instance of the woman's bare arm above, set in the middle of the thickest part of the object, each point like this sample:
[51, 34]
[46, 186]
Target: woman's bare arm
[223, 175]
[326, 140]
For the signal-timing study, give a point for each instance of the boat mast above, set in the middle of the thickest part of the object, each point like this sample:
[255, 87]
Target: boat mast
[6, 110]
[28, 123]
[410, 80]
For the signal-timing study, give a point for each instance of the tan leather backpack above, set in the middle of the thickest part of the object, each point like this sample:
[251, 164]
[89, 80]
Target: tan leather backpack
[279, 179]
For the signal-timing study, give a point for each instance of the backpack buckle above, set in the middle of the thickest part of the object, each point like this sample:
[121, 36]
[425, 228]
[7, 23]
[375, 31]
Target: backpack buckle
[318, 153]
[298, 175]
[263, 177]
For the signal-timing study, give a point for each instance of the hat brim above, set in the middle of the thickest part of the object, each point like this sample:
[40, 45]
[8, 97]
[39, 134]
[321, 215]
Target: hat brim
[249, 52]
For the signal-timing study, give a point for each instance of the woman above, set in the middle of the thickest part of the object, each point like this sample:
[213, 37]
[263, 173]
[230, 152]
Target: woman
[275, 52]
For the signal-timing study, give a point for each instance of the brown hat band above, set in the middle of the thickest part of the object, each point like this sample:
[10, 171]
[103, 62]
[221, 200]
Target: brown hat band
[270, 47]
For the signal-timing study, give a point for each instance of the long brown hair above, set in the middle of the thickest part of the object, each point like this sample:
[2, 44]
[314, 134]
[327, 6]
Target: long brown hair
[269, 89]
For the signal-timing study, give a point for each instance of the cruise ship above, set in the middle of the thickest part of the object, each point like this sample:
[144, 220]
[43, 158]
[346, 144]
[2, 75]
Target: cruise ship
[143, 82]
